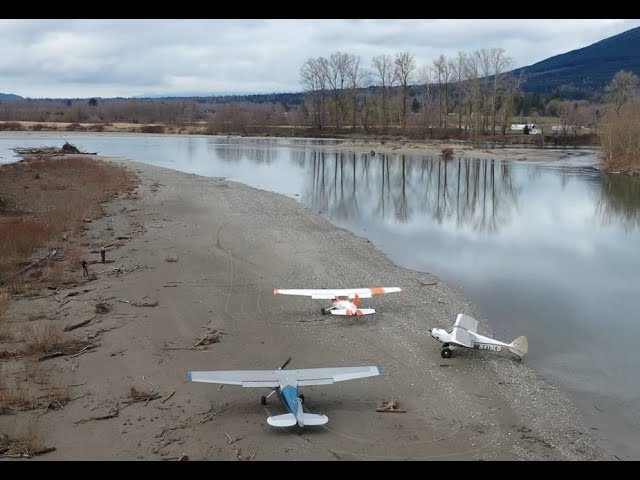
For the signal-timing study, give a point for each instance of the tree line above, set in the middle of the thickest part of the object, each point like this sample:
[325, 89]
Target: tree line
[465, 96]
[342, 91]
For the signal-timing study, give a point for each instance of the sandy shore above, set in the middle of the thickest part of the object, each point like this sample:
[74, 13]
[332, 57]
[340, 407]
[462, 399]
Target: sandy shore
[464, 150]
[234, 245]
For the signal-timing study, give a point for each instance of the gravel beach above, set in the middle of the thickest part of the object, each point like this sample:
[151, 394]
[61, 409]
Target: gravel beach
[210, 252]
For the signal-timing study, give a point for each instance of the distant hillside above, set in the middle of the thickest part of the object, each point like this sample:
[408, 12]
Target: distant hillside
[9, 96]
[586, 71]
[290, 99]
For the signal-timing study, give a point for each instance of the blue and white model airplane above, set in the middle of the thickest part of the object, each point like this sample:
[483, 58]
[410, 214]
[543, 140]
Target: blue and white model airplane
[285, 384]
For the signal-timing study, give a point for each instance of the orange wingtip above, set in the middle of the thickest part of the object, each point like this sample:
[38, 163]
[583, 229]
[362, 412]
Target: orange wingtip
[380, 290]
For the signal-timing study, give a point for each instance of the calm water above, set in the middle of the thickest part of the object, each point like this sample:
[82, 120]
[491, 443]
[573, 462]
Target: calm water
[548, 249]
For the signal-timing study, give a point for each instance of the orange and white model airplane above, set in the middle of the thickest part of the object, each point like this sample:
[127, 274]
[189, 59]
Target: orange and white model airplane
[344, 301]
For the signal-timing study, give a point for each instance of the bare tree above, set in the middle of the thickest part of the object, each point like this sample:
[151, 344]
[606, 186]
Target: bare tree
[358, 76]
[472, 77]
[335, 72]
[425, 79]
[514, 85]
[621, 89]
[369, 115]
[483, 58]
[443, 72]
[457, 67]
[499, 63]
[314, 82]
[405, 66]
[384, 71]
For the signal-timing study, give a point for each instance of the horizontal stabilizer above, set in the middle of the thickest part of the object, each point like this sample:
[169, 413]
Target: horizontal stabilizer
[313, 419]
[286, 420]
[519, 346]
[360, 311]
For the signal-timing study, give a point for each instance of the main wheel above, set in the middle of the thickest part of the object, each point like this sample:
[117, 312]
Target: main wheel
[263, 400]
[324, 312]
[301, 398]
[446, 352]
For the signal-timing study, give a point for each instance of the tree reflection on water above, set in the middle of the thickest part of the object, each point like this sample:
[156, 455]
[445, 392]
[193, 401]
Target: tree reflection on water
[477, 193]
[619, 201]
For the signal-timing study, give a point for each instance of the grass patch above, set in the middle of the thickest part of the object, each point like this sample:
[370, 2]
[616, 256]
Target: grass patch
[31, 391]
[44, 199]
[16, 395]
[48, 337]
[37, 315]
[25, 444]
[136, 395]
[45, 338]
[4, 301]
[6, 335]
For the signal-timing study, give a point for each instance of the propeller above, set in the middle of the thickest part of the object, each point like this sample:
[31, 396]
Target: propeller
[285, 363]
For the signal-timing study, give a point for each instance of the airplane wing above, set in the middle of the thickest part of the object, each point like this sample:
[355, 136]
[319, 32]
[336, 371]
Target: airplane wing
[359, 311]
[327, 376]
[331, 293]
[274, 378]
[467, 322]
[244, 378]
[462, 329]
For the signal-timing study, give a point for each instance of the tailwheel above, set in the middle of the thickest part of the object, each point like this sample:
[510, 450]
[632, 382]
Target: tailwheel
[263, 400]
[446, 352]
[301, 397]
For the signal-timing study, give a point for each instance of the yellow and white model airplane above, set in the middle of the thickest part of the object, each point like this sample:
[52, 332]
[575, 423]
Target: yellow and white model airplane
[344, 301]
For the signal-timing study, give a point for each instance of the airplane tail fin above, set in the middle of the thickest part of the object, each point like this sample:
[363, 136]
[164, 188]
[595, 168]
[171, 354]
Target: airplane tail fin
[519, 346]
[286, 420]
[356, 300]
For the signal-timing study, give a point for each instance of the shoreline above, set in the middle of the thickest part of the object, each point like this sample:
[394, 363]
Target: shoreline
[234, 244]
[459, 149]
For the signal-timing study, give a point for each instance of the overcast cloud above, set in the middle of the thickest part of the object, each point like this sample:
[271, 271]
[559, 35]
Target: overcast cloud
[125, 58]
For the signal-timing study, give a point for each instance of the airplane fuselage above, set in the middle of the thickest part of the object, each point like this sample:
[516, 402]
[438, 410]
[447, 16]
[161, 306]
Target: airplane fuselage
[288, 395]
[480, 342]
[344, 304]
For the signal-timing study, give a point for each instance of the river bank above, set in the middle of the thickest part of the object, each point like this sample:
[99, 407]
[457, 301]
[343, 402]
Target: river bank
[208, 253]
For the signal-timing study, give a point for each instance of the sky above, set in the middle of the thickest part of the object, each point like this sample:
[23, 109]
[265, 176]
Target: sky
[126, 58]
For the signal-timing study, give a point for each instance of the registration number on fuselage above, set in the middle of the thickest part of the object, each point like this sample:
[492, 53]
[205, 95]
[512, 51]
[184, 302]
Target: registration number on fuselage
[486, 346]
